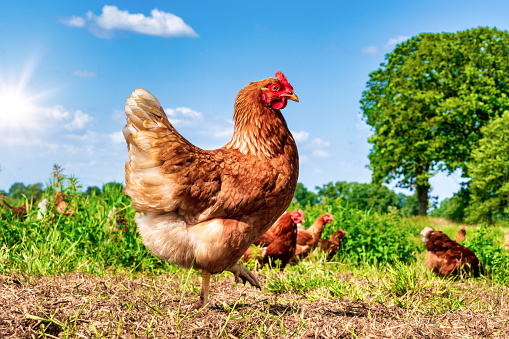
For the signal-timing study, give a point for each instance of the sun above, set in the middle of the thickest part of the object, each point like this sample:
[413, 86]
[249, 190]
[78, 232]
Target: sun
[18, 109]
[15, 108]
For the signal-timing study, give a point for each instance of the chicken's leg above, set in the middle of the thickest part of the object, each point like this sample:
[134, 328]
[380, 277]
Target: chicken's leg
[205, 286]
[242, 273]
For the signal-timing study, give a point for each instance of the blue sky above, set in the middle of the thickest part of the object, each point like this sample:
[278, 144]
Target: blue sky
[67, 68]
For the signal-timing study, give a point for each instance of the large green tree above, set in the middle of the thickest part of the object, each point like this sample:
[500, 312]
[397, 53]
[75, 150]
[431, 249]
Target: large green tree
[428, 100]
[375, 198]
[489, 168]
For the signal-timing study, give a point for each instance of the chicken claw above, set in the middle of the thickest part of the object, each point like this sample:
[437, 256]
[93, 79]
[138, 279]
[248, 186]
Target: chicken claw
[242, 273]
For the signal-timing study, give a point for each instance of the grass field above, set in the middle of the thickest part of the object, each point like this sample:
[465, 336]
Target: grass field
[77, 276]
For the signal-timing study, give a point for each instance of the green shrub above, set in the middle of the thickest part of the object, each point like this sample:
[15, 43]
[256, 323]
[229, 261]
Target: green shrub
[484, 242]
[370, 237]
[83, 241]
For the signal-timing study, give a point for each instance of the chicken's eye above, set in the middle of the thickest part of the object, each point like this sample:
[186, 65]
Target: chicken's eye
[275, 88]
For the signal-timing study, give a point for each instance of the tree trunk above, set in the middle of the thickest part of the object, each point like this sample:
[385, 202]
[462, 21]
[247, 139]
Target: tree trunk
[422, 198]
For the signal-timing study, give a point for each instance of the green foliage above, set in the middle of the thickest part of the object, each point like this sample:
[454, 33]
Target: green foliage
[19, 191]
[489, 169]
[370, 237]
[84, 241]
[303, 196]
[428, 101]
[484, 241]
[93, 190]
[112, 188]
[408, 204]
[454, 208]
[367, 197]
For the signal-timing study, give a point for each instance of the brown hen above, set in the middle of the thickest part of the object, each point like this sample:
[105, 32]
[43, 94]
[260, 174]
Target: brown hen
[330, 246]
[307, 238]
[446, 257]
[280, 244]
[19, 212]
[205, 208]
[462, 233]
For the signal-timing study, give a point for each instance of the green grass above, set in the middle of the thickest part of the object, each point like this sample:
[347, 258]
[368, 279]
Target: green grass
[84, 241]
[381, 261]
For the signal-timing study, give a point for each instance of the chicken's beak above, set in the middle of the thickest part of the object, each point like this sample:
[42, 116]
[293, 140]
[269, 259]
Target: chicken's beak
[293, 97]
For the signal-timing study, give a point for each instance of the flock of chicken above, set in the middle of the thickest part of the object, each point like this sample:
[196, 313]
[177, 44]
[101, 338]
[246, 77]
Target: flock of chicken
[21, 212]
[204, 208]
[288, 241]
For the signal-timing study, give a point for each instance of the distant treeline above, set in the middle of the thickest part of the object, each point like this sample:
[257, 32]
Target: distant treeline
[462, 207]
[19, 191]
[365, 197]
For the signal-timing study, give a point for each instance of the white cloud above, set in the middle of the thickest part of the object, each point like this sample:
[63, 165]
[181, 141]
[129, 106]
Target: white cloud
[300, 136]
[74, 21]
[84, 74]
[316, 147]
[394, 41]
[390, 44]
[117, 137]
[79, 121]
[44, 123]
[159, 23]
[224, 133]
[370, 50]
[319, 143]
[317, 171]
[184, 117]
[320, 153]
[58, 116]
[363, 128]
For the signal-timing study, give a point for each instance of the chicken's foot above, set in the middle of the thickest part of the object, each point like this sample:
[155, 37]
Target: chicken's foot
[242, 273]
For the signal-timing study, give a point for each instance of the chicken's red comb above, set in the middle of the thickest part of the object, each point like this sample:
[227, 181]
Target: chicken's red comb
[281, 77]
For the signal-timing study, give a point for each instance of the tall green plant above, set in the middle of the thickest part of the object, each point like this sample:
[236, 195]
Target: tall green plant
[484, 241]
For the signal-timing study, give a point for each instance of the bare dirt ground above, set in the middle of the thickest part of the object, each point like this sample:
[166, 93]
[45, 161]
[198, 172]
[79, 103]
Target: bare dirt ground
[84, 306]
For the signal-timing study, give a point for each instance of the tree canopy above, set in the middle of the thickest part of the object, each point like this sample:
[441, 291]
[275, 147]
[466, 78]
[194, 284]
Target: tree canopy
[367, 197]
[303, 196]
[428, 101]
[18, 190]
[489, 168]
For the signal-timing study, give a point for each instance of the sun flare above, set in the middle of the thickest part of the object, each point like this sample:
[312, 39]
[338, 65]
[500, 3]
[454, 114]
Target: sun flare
[15, 108]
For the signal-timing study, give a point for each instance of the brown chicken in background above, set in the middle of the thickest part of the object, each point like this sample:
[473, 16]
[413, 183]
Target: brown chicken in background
[446, 257]
[330, 246]
[307, 238]
[205, 208]
[117, 220]
[62, 205]
[19, 212]
[461, 235]
[506, 240]
[274, 231]
[281, 242]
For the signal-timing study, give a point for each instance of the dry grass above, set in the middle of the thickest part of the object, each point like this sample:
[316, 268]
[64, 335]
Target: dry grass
[77, 305]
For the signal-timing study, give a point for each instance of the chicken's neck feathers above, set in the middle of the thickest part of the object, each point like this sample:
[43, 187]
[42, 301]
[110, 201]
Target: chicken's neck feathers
[259, 129]
[317, 228]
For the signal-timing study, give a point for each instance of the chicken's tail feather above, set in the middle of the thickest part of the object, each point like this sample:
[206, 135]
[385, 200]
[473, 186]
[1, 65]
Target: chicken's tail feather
[146, 125]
